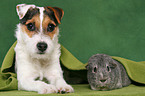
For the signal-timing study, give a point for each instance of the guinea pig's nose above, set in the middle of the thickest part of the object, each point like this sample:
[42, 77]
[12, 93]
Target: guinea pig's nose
[103, 80]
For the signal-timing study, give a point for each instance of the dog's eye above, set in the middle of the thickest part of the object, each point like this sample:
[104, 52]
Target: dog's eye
[50, 27]
[31, 26]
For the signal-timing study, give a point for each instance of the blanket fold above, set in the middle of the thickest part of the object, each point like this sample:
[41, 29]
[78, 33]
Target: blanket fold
[135, 70]
[8, 81]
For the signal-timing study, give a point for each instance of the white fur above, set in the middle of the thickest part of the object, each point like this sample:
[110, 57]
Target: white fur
[30, 65]
[22, 9]
[41, 17]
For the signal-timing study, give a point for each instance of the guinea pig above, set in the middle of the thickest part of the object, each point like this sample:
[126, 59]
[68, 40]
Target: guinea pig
[105, 73]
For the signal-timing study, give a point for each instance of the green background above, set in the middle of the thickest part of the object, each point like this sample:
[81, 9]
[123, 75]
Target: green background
[114, 27]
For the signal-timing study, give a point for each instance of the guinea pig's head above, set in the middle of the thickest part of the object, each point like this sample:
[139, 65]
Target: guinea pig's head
[101, 72]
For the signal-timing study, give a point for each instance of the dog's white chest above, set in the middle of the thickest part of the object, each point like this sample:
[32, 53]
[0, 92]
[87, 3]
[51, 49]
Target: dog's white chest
[38, 50]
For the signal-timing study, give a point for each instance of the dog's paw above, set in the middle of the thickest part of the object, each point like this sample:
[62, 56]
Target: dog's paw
[46, 89]
[64, 88]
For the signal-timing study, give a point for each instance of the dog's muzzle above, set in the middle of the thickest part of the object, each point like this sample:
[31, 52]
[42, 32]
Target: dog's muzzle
[41, 46]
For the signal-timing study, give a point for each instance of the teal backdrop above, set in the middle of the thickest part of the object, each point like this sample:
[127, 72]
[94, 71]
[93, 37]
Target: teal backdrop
[113, 27]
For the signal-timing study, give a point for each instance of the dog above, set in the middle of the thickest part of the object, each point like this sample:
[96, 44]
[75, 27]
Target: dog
[38, 51]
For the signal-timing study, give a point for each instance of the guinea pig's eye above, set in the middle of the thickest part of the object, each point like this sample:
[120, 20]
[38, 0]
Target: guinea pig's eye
[50, 27]
[31, 26]
[95, 70]
[108, 69]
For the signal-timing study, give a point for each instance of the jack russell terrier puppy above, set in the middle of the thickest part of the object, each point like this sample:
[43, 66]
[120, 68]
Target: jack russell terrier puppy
[38, 50]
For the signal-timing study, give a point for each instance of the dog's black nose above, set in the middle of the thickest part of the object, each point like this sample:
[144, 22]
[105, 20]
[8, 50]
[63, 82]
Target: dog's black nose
[42, 46]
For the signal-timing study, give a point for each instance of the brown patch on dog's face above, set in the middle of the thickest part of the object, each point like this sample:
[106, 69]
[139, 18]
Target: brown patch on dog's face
[51, 18]
[32, 26]
[31, 21]
[49, 26]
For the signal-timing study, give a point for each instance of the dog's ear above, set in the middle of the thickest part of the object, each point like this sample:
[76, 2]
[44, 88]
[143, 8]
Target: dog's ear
[58, 13]
[22, 9]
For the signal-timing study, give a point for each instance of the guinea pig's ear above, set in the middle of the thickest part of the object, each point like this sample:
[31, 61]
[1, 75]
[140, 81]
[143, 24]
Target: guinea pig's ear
[87, 67]
[113, 64]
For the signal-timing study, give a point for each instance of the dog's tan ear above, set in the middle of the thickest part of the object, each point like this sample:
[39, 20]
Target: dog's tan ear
[58, 12]
[22, 9]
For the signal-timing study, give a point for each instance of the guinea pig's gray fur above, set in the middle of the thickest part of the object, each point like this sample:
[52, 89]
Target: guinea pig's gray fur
[105, 73]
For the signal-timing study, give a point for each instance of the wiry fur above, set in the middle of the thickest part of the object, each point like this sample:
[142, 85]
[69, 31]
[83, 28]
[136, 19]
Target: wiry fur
[30, 65]
[105, 73]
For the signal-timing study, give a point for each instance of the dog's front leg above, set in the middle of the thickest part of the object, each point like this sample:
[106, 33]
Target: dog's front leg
[62, 86]
[29, 84]
[55, 77]
[26, 75]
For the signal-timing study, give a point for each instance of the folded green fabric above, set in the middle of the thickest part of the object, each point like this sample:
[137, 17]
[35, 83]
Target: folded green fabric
[8, 81]
[135, 70]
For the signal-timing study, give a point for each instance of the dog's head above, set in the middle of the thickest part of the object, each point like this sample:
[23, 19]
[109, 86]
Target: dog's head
[38, 28]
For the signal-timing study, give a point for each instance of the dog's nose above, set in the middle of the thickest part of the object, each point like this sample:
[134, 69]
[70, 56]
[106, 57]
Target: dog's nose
[42, 46]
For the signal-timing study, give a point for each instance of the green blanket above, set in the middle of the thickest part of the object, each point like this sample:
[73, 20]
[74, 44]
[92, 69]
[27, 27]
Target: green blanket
[113, 27]
[84, 90]
[135, 71]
